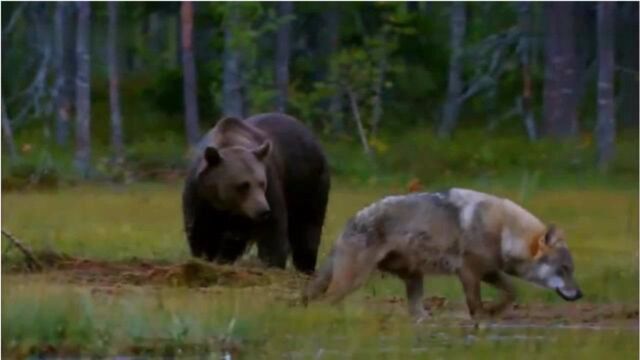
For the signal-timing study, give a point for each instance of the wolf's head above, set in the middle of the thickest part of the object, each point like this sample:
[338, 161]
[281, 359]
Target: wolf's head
[552, 265]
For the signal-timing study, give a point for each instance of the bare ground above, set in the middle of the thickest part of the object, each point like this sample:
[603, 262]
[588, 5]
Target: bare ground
[112, 278]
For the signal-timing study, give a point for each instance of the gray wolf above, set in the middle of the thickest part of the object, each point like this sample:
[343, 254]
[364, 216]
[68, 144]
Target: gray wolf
[476, 236]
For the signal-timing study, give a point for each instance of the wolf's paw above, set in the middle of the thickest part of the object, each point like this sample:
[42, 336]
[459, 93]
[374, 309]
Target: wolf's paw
[421, 316]
[495, 310]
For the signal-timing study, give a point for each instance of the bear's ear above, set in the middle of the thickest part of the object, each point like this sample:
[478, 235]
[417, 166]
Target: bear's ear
[263, 150]
[212, 156]
[227, 123]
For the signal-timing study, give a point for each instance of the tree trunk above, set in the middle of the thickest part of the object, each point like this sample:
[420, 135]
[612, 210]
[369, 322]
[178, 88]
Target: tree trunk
[189, 74]
[376, 115]
[586, 72]
[83, 91]
[451, 109]
[7, 133]
[560, 100]
[283, 52]
[524, 20]
[232, 91]
[605, 128]
[117, 143]
[332, 20]
[63, 98]
[629, 66]
[356, 116]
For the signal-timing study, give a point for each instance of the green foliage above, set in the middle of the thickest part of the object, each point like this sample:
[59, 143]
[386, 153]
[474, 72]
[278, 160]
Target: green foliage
[477, 154]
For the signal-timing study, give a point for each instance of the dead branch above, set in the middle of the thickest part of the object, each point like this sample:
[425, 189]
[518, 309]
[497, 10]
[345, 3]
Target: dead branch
[13, 19]
[32, 261]
[356, 115]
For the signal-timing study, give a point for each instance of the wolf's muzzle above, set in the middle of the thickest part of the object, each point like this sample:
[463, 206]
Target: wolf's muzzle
[574, 297]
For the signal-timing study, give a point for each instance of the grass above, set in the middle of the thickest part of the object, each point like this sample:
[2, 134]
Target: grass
[144, 221]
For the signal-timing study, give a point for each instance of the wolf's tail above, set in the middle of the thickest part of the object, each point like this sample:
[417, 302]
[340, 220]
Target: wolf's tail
[320, 282]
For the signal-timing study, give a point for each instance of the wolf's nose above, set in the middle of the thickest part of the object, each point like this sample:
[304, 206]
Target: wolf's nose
[578, 295]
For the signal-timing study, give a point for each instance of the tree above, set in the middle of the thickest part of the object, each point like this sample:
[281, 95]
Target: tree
[560, 98]
[232, 87]
[7, 132]
[332, 29]
[63, 95]
[189, 73]
[454, 86]
[283, 52]
[605, 128]
[524, 50]
[83, 91]
[628, 66]
[114, 91]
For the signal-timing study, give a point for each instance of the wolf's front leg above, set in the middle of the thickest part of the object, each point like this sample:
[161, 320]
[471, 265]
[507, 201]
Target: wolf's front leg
[471, 285]
[415, 290]
[507, 292]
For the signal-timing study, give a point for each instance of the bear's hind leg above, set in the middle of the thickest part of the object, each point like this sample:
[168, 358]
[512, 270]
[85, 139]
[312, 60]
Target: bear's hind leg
[304, 242]
[305, 226]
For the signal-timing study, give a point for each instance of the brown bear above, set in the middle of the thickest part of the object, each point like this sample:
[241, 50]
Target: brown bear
[262, 179]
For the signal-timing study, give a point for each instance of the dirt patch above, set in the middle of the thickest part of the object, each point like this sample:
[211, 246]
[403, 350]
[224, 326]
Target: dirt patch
[578, 315]
[192, 273]
[108, 277]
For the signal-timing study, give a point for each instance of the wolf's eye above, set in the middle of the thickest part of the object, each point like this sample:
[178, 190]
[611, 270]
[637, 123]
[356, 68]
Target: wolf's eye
[242, 187]
[563, 270]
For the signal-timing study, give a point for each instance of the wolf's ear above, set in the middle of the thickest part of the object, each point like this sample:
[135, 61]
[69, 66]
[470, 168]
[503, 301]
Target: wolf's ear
[263, 150]
[544, 242]
[553, 235]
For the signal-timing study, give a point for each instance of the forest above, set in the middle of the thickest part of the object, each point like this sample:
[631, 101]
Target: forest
[118, 91]
[103, 102]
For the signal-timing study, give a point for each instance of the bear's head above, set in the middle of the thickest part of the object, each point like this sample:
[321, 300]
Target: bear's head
[234, 179]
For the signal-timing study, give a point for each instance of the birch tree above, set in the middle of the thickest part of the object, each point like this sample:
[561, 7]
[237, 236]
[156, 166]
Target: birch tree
[605, 128]
[457, 30]
[83, 91]
[117, 143]
[560, 98]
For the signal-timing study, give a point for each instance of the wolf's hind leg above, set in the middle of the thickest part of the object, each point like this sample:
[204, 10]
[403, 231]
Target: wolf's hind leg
[507, 292]
[320, 282]
[351, 268]
[415, 290]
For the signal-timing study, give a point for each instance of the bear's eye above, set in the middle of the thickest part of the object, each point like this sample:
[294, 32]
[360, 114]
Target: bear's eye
[242, 187]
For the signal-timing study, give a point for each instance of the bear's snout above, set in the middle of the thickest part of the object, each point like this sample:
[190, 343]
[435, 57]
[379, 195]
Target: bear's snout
[263, 215]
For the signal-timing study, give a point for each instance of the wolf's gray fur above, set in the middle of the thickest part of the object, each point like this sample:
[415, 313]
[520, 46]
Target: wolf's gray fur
[477, 236]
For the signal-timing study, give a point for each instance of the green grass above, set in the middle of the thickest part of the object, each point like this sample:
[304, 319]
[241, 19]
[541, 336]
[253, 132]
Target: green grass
[144, 221]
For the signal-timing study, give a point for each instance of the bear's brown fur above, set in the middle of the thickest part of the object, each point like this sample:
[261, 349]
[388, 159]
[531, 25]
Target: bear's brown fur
[264, 179]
